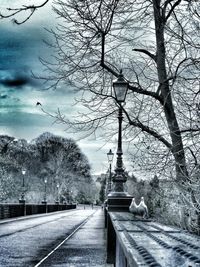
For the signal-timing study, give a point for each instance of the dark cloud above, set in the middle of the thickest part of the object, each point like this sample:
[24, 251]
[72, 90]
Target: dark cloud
[15, 82]
[4, 96]
[18, 79]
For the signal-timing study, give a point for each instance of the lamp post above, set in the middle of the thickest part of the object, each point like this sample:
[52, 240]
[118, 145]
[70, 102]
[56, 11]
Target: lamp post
[110, 156]
[118, 200]
[57, 200]
[120, 87]
[69, 196]
[45, 192]
[22, 199]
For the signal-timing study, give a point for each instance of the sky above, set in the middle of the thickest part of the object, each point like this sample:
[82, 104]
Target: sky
[20, 49]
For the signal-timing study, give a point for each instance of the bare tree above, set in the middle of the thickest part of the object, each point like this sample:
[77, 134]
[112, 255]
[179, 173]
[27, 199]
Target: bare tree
[156, 43]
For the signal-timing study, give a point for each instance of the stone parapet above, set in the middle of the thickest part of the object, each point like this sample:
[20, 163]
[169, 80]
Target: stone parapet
[138, 242]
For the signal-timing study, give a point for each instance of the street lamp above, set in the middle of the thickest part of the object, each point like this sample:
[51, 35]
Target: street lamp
[45, 191]
[72, 197]
[67, 196]
[110, 156]
[22, 200]
[57, 186]
[120, 87]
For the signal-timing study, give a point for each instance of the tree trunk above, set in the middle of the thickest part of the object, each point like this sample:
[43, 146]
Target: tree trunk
[177, 144]
[174, 130]
[198, 223]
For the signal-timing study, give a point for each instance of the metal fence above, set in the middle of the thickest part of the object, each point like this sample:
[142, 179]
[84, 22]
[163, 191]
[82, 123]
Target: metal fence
[16, 210]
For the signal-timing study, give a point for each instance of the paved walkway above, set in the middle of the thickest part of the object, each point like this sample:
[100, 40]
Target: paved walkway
[87, 248]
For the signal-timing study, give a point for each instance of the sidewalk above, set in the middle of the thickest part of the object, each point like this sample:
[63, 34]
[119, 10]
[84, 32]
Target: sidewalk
[87, 248]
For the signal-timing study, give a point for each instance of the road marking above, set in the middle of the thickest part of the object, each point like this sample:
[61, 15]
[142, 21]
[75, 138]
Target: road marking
[59, 245]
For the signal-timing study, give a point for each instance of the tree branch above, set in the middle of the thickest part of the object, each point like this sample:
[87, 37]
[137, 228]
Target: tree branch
[145, 92]
[190, 130]
[16, 11]
[152, 56]
[103, 64]
[172, 9]
[148, 130]
[195, 158]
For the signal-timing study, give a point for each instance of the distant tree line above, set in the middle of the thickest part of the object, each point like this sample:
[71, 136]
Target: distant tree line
[55, 159]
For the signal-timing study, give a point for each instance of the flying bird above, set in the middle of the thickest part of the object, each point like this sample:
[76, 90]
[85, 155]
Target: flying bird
[38, 104]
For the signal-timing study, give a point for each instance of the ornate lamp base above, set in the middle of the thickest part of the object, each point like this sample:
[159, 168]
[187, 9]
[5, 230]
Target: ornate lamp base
[118, 194]
[118, 202]
[22, 201]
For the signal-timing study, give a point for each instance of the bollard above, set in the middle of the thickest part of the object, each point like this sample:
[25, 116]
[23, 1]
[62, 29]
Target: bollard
[44, 202]
[23, 202]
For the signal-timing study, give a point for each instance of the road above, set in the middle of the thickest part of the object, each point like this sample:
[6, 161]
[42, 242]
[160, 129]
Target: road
[25, 242]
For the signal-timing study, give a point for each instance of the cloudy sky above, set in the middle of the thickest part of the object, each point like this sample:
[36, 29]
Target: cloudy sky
[20, 49]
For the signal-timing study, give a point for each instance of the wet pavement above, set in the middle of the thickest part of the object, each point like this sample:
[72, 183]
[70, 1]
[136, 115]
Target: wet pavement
[86, 248]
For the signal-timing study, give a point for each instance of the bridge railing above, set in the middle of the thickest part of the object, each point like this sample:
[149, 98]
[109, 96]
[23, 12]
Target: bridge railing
[133, 241]
[16, 210]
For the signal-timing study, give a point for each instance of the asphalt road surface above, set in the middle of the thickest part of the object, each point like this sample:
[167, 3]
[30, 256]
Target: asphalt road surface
[26, 242]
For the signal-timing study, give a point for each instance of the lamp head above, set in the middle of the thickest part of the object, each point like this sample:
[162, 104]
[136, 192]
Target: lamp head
[120, 88]
[110, 156]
